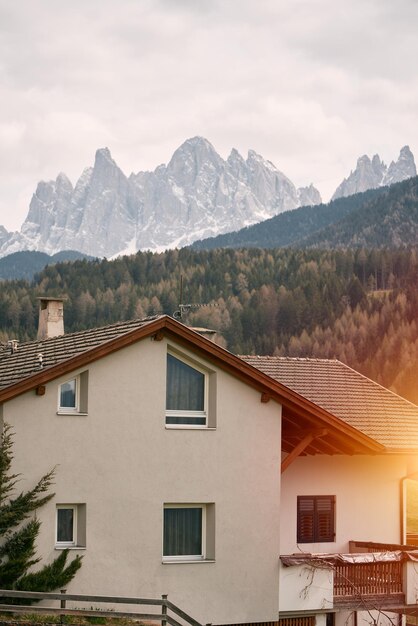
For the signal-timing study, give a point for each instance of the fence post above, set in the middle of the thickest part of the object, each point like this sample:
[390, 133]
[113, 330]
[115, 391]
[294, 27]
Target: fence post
[164, 609]
[63, 604]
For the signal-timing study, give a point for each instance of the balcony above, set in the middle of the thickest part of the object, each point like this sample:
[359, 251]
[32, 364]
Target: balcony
[374, 583]
[366, 579]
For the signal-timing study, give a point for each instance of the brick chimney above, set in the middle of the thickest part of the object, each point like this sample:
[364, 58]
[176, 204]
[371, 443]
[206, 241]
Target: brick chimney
[51, 317]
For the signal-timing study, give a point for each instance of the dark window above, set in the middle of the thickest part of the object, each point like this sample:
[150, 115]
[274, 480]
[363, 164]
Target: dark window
[65, 525]
[183, 532]
[315, 519]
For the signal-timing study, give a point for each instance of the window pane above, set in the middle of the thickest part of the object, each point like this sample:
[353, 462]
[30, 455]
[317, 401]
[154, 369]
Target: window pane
[68, 394]
[65, 525]
[186, 421]
[185, 386]
[183, 532]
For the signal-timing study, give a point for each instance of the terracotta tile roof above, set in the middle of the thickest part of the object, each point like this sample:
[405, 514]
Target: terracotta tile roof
[14, 367]
[333, 387]
[347, 394]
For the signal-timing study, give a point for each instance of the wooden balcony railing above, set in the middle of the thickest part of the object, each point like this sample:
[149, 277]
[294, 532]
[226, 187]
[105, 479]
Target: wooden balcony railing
[362, 580]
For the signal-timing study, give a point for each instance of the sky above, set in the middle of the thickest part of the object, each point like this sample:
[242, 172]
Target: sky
[310, 85]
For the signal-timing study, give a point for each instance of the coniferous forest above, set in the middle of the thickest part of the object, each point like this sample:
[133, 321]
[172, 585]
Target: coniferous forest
[359, 306]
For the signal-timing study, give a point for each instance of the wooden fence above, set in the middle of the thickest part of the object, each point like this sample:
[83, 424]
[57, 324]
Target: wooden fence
[367, 579]
[164, 616]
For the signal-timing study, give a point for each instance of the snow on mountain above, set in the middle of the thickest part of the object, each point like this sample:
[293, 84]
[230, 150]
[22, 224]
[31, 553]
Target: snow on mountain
[402, 169]
[196, 195]
[370, 174]
[309, 196]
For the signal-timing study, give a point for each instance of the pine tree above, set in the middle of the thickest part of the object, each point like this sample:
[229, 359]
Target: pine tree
[18, 536]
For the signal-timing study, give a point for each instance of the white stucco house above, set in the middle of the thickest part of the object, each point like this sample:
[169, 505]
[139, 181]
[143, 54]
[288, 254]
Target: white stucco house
[249, 489]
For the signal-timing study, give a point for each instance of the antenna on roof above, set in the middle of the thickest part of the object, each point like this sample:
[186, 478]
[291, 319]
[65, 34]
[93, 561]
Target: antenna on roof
[186, 308]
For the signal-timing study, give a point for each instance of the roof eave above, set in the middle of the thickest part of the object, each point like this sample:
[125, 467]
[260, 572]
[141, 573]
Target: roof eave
[222, 357]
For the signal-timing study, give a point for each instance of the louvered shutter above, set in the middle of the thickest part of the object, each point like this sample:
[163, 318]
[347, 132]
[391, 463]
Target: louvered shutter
[315, 519]
[325, 517]
[306, 519]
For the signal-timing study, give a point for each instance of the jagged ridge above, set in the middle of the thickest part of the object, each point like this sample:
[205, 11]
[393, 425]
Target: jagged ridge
[196, 195]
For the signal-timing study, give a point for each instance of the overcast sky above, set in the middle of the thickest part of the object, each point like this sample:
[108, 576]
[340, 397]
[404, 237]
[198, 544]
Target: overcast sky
[309, 84]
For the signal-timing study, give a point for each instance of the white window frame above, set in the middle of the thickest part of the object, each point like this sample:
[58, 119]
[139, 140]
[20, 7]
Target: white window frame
[187, 557]
[185, 413]
[66, 544]
[70, 409]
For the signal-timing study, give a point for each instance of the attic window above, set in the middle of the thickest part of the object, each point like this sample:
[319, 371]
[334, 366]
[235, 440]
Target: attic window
[186, 394]
[315, 519]
[72, 395]
[69, 395]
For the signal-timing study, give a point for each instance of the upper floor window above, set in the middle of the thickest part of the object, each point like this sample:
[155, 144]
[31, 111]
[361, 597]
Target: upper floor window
[187, 394]
[68, 395]
[72, 394]
[315, 519]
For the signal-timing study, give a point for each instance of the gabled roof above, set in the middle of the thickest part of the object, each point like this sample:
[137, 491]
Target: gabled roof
[302, 415]
[347, 394]
[17, 366]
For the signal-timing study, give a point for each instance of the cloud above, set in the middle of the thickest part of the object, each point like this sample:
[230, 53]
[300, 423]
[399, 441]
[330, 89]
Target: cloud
[309, 84]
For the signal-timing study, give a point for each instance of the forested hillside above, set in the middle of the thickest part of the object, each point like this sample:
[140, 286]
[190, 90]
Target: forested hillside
[360, 307]
[25, 264]
[384, 217]
[291, 227]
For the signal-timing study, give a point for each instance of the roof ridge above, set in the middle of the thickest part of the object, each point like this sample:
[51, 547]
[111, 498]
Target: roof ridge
[287, 358]
[80, 333]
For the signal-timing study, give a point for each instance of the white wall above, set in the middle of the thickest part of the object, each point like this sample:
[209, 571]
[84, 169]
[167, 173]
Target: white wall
[368, 498]
[410, 571]
[306, 588]
[123, 463]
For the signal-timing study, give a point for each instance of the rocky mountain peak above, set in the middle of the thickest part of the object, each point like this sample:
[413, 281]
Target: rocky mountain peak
[406, 154]
[193, 156]
[309, 196]
[194, 148]
[370, 174]
[235, 156]
[106, 174]
[103, 155]
[63, 183]
[254, 157]
[197, 195]
[377, 164]
[401, 169]
[237, 164]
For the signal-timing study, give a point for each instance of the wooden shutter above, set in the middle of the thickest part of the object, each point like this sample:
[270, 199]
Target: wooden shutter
[315, 519]
[306, 519]
[325, 518]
